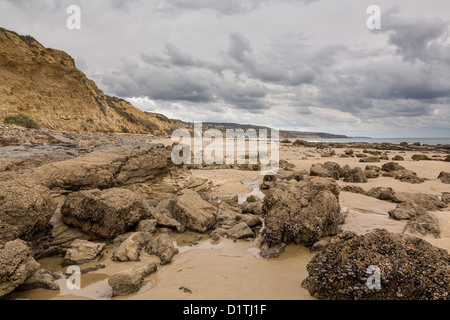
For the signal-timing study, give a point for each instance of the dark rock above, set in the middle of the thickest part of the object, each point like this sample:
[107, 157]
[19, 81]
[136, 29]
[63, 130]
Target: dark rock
[445, 177]
[410, 268]
[392, 166]
[420, 157]
[370, 159]
[387, 194]
[353, 189]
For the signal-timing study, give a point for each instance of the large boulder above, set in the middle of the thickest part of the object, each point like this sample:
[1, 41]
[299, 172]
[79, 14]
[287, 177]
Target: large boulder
[410, 268]
[16, 265]
[106, 169]
[194, 213]
[130, 281]
[302, 212]
[26, 207]
[105, 214]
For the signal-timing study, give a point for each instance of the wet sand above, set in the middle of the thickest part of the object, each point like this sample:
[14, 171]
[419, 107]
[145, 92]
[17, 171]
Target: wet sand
[233, 270]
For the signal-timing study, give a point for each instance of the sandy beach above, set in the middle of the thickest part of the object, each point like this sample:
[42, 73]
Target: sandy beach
[233, 269]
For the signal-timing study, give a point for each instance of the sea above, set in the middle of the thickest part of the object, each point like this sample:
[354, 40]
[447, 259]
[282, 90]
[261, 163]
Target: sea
[428, 141]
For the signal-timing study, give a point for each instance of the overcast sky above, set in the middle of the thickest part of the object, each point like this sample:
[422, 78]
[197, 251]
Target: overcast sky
[310, 65]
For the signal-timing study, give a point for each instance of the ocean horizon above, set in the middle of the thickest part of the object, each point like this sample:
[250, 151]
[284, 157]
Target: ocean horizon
[427, 141]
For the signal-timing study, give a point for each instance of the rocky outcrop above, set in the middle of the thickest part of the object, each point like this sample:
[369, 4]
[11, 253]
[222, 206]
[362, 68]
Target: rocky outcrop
[194, 213]
[409, 268]
[420, 157]
[370, 159]
[416, 204]
[355, 175]
[371, 174]
[386, 194]
[444, 177]
[353, 189]
[302, 212]
[392, 166]
[326, 170]
[130, 281]
[82, 251]
[425, 224]
[16, 265]
[105, 214]
[26, 207]
[408, 176]
[446, 198]
[102, 170]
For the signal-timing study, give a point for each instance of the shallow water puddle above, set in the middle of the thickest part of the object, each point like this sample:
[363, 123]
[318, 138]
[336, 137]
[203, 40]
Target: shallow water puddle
[93, 286]
[256, 191]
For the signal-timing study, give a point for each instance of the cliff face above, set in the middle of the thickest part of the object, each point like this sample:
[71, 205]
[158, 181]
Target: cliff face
[46, 84]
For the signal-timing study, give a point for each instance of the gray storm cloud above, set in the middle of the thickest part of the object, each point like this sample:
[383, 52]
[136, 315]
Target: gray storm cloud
[293, 64]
